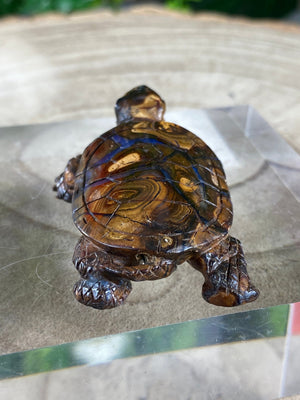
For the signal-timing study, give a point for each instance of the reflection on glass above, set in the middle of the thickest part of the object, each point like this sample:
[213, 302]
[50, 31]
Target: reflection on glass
[256, 324]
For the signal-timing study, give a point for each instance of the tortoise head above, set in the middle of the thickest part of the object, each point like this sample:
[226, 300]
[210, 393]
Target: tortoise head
[140, 103]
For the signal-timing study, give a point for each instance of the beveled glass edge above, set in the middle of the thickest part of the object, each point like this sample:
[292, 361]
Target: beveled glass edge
[286, 162]
[191, 334]
[239, 327]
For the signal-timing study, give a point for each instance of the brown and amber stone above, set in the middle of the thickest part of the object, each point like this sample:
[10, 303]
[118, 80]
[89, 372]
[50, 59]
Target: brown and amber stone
[148, 195]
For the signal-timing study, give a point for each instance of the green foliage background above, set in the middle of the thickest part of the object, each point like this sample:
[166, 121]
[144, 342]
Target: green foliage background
[30, 7]
[252, 8]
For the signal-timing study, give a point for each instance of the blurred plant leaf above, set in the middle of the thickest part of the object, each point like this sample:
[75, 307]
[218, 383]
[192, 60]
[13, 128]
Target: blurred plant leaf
[251, 8]
[30, 7]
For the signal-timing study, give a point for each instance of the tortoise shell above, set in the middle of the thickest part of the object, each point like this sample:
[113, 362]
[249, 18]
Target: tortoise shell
[151, 185]
[147, 196]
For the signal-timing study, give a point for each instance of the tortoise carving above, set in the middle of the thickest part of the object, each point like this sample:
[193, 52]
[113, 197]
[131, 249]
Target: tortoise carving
[148, 195]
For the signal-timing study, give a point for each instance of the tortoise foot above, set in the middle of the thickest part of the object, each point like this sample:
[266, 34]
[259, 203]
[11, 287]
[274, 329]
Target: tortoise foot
[227, 282]
[219, 294]
[64, 183]
[102, 292]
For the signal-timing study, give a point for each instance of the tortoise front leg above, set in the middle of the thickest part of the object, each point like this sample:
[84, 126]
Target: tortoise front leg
[64, 183]
[102, 291]
[98, 288]
[227, 282]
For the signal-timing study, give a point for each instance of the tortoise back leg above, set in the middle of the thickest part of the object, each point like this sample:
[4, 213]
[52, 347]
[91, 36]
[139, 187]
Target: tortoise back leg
[227, 282]
[64, 183]
[98, 287]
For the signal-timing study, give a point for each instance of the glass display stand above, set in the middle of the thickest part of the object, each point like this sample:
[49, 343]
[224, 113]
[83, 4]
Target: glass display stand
[162, 339]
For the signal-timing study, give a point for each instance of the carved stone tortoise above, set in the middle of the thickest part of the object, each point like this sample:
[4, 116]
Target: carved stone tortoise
[147, 196]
